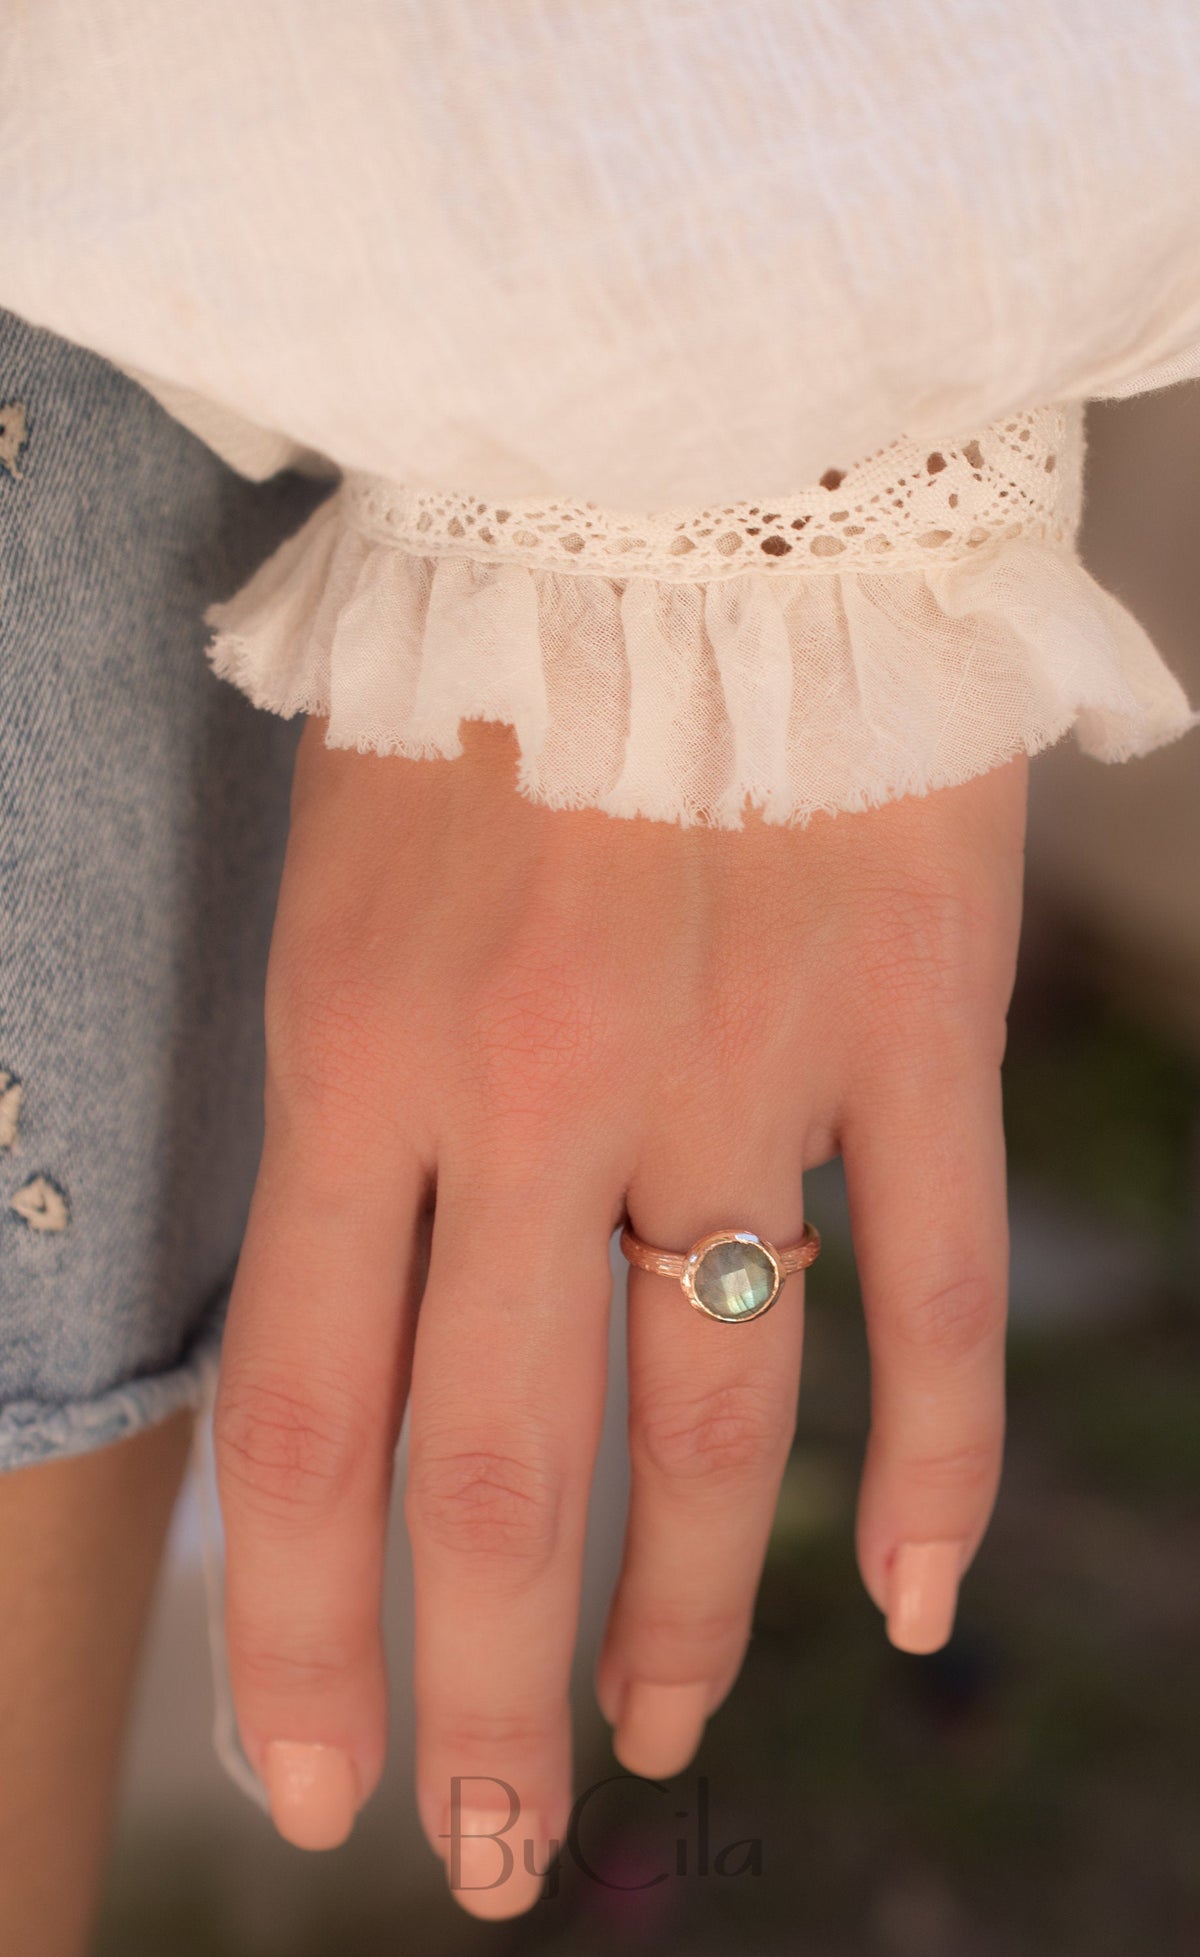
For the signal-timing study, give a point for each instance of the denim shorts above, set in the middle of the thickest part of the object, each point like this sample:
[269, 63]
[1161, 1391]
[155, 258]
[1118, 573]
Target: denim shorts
[143, 817]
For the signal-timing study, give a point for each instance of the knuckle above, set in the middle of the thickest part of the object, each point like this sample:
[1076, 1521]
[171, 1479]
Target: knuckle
[953, 1321]
[467, 1733]
[734, 1429]
[971, 1469]
[679, 1641]
[325, 1031]
[283, 1449]
[929, 948]
[747, 1017]
[485, 1504]
[266, 1664]
[540, 1036]
[310, 999]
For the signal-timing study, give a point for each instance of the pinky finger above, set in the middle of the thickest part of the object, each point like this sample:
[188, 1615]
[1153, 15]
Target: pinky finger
[926, 1175]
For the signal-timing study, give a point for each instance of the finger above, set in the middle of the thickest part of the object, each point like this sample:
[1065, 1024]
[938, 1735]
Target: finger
[924, 1158]
[507, 1401]
[310, 1397]
[711, 1420]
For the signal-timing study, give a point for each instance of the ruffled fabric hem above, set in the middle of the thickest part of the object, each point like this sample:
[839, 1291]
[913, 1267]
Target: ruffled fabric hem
[792, 694]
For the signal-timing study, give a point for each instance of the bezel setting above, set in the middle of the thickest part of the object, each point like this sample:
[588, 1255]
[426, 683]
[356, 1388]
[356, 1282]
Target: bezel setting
[695, 1258]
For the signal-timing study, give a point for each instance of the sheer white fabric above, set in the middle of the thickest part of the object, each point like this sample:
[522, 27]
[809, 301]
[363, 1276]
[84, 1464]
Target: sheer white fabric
[639, 273]
[648, 253]
[633, 264]
[905, 624]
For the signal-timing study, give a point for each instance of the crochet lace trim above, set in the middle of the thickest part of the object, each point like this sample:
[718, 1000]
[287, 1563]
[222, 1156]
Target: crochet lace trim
[905, 507]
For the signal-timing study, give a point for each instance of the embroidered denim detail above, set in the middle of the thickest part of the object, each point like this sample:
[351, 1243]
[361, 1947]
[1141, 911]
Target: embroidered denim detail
[14, 433]
[42, 1204]
[10, 1108]
[143, 822]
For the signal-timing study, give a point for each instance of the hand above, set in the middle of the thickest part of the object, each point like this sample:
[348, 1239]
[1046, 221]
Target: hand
[547, 1016]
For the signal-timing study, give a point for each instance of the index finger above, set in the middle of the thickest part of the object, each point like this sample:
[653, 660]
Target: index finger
[314, 1373]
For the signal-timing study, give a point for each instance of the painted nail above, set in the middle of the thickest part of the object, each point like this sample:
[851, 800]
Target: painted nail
[922, 1594]
[660, 1727]
[490, 1876]
[313, 1791]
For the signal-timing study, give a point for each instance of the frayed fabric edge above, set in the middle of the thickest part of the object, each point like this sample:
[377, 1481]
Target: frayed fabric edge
[232, 659]
[32, 1431]
[306, 636]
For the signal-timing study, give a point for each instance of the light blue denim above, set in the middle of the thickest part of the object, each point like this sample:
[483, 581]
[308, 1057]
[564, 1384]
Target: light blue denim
[143, 816]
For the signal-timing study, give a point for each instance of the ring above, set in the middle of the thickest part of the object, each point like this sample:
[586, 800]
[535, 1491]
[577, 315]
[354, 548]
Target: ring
[730, 1275]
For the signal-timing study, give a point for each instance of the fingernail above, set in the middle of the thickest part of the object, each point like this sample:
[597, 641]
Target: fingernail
[493, 1878]
[922, 1594]
[660, 1727]
[313, 1792]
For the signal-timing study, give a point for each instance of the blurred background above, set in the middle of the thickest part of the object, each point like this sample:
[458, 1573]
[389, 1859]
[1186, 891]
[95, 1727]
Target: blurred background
[1031, 1789]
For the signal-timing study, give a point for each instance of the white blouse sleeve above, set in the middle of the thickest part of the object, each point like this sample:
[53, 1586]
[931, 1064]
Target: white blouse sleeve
[901, 625]
[564, 290]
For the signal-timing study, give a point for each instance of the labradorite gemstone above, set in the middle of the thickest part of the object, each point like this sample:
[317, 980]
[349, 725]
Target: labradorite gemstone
[734, 1280]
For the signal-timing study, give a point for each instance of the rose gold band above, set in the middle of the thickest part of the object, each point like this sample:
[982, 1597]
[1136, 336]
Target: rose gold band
[730, 1275]
[674, 1263]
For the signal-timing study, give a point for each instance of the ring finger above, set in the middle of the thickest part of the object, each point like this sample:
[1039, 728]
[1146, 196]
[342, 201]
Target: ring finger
[711, 1419]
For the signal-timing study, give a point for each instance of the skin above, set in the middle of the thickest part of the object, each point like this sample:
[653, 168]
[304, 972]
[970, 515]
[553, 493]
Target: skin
[82, 1538]
[544, 1018]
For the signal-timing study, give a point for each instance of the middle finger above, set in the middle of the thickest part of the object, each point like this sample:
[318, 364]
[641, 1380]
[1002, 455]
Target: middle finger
[507, 1401]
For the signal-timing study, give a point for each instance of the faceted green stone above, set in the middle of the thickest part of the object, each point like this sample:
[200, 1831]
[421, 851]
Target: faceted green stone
[734, 1280]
